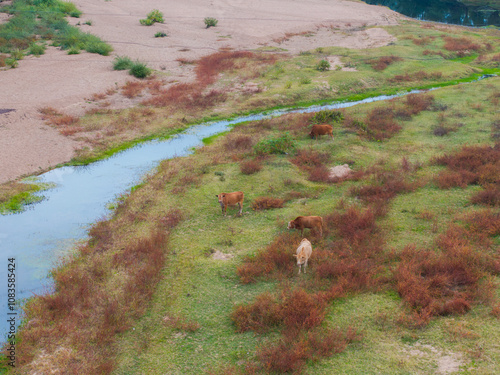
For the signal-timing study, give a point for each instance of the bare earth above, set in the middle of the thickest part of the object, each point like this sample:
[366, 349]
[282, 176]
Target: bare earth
[64, 82]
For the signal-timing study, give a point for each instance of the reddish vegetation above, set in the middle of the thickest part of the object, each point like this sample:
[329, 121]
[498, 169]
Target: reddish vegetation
[417, 76]
[460, 44]
[313, 162]
[133, 88]
[450, 281]
[471, 165]
[383, 62]
[83, 299]
[275, 259]
[196, 96]
[266, 203]
[250, 166]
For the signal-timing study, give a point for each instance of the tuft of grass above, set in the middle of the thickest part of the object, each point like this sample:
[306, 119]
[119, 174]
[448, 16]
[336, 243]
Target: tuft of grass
[154, 16]
[122, 63]
[210, 22]
[140, 70]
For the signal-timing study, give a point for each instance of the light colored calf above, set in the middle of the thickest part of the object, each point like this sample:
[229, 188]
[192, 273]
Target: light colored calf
[304, 252]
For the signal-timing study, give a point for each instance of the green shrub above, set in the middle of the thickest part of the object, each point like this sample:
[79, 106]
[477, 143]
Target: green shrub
[210, 21]
[73, 51]
[140, 70]
[323, 65]
[17, 54]
[13, 63]
[280, 145]
[154, 16]
[322, 117]
[160, 34]
[122, 63]
[69, 8]
[37, 49]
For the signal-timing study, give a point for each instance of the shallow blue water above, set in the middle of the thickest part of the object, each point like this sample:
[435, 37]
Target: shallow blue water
[39, 236]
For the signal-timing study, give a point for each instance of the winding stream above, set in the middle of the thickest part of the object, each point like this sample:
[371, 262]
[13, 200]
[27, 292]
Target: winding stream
[39, 236]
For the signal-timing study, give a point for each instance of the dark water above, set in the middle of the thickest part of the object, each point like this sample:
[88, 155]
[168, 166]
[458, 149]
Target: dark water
[447, 11]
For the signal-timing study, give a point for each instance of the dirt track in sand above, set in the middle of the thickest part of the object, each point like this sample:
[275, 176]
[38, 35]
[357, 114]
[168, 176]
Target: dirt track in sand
[64, 82]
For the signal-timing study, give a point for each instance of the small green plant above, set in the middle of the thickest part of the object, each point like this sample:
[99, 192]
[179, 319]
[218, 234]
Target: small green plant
[154, 16]
[66, 7]
[122, 63]
[160, 34]
[140, 70]
[36, 49]
[323, 65]
[280, 145]
[73, 51]
[305, 80]
[17, 54]
[210, 21]
[322, 117]
[288, 85]
[13, 63]
[88, 22]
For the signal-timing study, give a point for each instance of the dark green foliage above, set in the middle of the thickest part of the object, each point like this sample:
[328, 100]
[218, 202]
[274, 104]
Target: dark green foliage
[122, 63]
[160, 34]
[140, 70]
[326, 116]
[210, 22]
[46, 18]
[154, 16]
[280, 145]
[323, 65]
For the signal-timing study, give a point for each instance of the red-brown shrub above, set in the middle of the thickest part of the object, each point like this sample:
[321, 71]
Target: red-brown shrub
[131, 89]
[250, 166]
[380, 124]
[259, 316]
[275, 259]
[310, 158]
[301, 310]
[383, 62]
[419, 102]
[451, 179]
[488, 197]
[238, 142]
[266, 203]
[460, 44]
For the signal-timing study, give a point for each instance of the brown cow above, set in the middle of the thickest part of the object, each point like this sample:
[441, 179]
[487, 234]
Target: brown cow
[321, 129]
[304, 252]
[311, 222]
[230, 199]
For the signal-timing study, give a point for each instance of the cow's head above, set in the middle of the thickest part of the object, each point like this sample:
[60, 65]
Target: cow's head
[301, 258]
[291, 224]
[311, 134]
[220, 198]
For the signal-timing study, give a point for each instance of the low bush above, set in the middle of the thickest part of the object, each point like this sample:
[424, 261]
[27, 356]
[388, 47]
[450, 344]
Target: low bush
[37, 49]
[323, 65]
[266, 203]
[122, 63]
[250, 166]
[160, 34]
[488, 197]
[279, 145]
[154, 16]
[326, 116]
[140, 70]
[210, 22]
[383, 62]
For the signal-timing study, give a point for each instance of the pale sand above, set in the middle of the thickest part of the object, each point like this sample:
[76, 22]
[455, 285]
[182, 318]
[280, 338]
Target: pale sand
[64, 81]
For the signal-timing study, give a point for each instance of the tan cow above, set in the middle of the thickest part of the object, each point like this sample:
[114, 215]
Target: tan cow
[231, 199]
[311, 222]
[304, 252]
[321, 129]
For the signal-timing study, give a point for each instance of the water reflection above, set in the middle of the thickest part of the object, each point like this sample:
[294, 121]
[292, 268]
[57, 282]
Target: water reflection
[447, 11]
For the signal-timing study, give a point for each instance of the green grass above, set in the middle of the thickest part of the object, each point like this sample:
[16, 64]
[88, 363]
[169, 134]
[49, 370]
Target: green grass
[15, 196]
[202, 289]
[45, 20]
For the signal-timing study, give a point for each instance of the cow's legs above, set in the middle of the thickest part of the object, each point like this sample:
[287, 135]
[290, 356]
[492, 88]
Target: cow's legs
[241, 207]
[305, 265]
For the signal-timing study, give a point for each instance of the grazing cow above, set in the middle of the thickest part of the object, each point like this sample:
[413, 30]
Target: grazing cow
[311, 222]
[321, 129]
[304, 252]
[230, 199]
